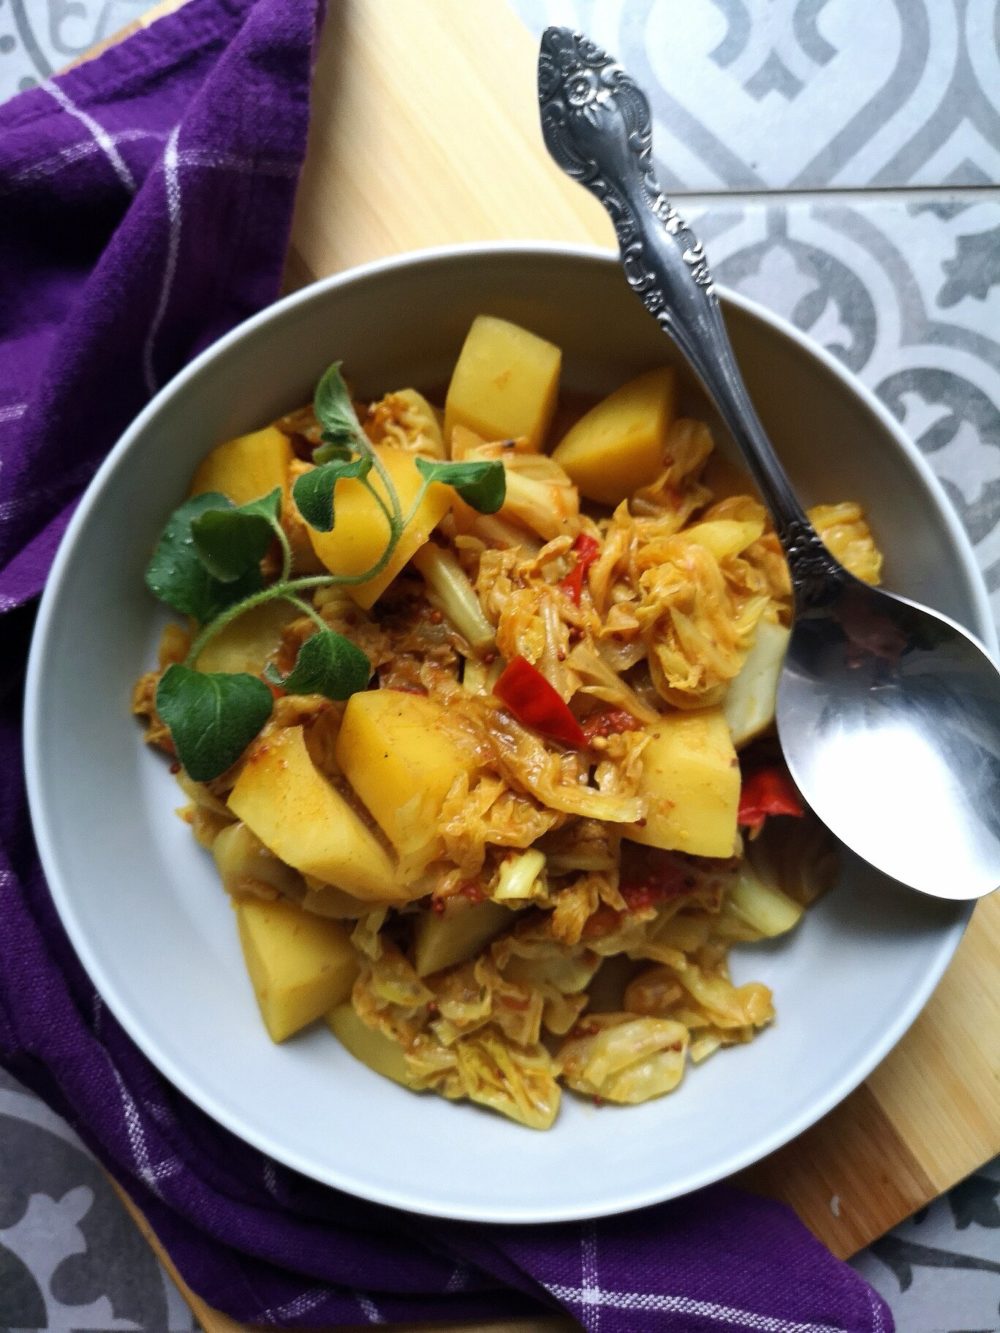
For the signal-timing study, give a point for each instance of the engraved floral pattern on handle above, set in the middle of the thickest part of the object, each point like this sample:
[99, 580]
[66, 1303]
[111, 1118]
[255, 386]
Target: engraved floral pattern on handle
[581, 87]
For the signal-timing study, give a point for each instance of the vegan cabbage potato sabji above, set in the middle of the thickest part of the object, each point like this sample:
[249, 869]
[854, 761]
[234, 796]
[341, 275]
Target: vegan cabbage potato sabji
[474, 713]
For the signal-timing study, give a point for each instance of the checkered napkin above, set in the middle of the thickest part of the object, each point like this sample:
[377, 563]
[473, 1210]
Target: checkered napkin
[145, 202]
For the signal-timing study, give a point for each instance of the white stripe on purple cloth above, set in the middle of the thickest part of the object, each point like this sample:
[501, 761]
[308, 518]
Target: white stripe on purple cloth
[244, 166]
[877, 1324]
[74, 477]
[590, 1276]
[270, 1177]
[151, 1173]
[459, 1278]
[12, 412]
[371, 1311]
[298, 1305]
[101, 137]
[76, 152]
[584, 1297]
[172, 185]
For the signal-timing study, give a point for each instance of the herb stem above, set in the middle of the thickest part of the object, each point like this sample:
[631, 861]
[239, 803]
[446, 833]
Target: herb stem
[287, 588]
[301, 605]
[365, 447]
[425, 486]
[286, 551]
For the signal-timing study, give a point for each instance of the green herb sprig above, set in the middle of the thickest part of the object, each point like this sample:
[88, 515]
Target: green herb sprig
[207, 565]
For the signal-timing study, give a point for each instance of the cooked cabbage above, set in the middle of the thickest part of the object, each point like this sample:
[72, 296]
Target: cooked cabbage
[532, 919]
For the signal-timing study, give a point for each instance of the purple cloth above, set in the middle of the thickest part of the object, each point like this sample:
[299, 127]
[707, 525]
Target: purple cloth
[146, 207]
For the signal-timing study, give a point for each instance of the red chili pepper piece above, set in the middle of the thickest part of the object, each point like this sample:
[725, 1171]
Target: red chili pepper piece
[649, 875]
[611, 722]
[587, 549]
[767, 791]
[534, 702]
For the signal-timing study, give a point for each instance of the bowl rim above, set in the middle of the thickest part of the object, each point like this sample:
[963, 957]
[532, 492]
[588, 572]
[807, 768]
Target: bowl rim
[63, 896]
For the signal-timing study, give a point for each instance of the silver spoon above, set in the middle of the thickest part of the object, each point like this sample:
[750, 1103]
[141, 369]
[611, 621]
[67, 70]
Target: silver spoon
[888, 713]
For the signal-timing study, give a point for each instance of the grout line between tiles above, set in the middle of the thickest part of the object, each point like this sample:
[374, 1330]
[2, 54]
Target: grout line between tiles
[966, 194]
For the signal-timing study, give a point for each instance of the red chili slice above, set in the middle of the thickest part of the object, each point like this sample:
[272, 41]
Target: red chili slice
[534, 702]
[587, 549]
[767, 791]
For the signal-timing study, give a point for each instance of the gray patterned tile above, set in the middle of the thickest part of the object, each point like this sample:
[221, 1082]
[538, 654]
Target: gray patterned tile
[39, 36]
[70, 1256]
[907, 295]
[804, 94]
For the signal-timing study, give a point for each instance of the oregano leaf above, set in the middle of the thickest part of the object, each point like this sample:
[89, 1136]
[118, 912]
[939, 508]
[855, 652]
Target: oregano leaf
[313, 491]
[212, 716]
[176, 574]
[335, 411]
[231, 542]
[327, 664]
[482, 485]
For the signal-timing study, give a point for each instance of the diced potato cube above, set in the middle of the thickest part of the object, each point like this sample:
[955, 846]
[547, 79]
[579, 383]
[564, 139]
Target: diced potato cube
[458, 933]
[246, 468]
[248, 642]
[371, 1047]
[691, 782]
[300, 965]
[618, 446]
[504, 384]
[284, 799]
[401, 753]
[361, 532]
[749, 702]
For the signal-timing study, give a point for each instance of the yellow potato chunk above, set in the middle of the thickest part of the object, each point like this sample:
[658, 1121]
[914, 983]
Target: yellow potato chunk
[361, 532]
[504, 384]
[401, 754]
[248, 642]
[458, 933]
[284, 799]
[618, 445]
[371, 1047]
[300, 965]
[691, 783]
[246, 468]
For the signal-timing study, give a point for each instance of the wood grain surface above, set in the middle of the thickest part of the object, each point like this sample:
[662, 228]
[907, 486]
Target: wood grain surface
[425, 133]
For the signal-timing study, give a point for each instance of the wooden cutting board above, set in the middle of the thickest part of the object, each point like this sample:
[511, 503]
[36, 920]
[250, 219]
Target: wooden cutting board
[425, 133]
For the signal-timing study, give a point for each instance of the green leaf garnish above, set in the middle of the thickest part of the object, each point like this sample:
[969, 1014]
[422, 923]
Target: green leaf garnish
[335, 413]
[231, 542]
[482, 485]
[207, 565]
[212, 715]
[313, 491]
[177, 575]
[327, 664]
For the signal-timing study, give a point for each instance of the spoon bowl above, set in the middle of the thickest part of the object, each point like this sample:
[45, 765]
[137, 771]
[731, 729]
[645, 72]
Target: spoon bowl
[889, 721]
[888, 713]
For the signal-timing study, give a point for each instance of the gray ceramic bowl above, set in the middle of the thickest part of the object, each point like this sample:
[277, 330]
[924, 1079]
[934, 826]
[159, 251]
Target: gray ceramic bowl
[141, 901]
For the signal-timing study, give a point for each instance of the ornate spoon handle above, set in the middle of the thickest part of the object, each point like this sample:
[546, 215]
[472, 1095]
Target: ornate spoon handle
[597, 125]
